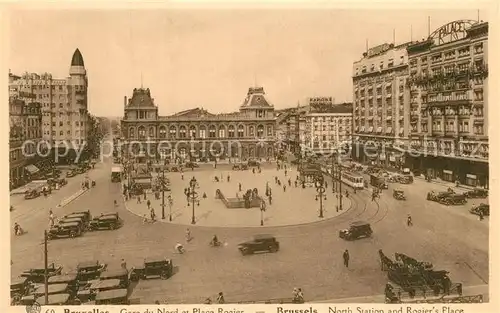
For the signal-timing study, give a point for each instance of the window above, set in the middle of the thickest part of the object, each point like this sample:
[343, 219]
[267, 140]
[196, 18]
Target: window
[163, 132]
[269, 130]
[251, 131]
[192, 131]
[172, 132]
[260, 131]
[230, 131]
[222, 132]
[182, 131]
[240, 131]
[478, 95]
[61, 133]
[152, 132]
[211, 131]
[142, 132]
[203, 132]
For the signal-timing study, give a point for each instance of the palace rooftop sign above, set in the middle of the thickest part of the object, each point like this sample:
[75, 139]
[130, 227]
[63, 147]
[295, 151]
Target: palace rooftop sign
[452, 31]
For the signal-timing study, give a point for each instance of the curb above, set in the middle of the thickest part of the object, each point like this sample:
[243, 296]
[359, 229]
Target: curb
[71, 198]
[345, 210]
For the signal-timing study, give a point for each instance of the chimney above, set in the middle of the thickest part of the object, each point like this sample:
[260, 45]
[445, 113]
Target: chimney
[125, 101]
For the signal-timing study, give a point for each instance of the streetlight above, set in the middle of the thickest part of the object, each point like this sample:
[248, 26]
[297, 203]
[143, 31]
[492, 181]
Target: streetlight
[170, 203]
[321, 190]
[163, 195]
[193, 196]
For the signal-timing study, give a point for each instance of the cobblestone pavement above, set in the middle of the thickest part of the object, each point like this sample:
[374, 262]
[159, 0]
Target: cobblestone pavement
[290, 206]
[310, 256]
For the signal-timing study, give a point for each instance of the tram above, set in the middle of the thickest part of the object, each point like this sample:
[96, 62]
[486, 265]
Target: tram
[353, 179]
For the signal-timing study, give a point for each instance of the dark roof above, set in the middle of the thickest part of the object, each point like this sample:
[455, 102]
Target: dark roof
[255, 98]
[141, 98]
[77, 59]
[335, 108]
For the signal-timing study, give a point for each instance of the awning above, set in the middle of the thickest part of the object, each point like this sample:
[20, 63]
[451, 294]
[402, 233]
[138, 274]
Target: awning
[379, 129]
[447, 172]
[142, 181]
[471, 176]
[32, 169]
[389, 130]
[370, 129]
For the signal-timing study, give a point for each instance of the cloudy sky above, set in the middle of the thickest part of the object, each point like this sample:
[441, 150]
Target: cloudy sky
[209, 58]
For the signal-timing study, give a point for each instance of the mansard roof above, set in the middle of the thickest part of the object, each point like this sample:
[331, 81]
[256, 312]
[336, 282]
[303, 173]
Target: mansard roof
[255, 98]
[141, 98]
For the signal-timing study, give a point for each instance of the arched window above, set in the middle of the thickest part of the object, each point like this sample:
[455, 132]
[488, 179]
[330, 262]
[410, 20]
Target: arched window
[152, 132]
[211, 131]
[163, 132]
[240, 131]
[142, 132]
[192, 131]
[222, 131]
[182, 131]
[203, 132]
[269, 131]
[260, 131]
[251, 131]
[173, 132]
[131, 132]
[230, 131]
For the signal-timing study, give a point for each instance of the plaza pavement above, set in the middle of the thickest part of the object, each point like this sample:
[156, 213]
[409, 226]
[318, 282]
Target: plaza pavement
[310, 256]
[293, 206]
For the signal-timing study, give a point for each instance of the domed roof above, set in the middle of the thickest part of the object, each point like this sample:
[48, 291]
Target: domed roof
[77, 59]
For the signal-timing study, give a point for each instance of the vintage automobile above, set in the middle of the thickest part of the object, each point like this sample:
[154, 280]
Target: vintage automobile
[453, 199]
[356, 230]
[89, 270]
[191, 165]
[476, 193]
[53, 290]
[31, 194]
[259, 243]
[174, 168]
[56, 181]
[84, 215]
[121, 274]
[64, 230]
[70, 279]
[157, 267]
[89, 291]
[37, 275]
[79, 220]
[56, 299]
[71, 173]
[253, 162]
[399, 194]
[437, 196]
[481, 209]
[105, 222]
[19, 287]
[405, 179]
[240, 167]
[110, 297]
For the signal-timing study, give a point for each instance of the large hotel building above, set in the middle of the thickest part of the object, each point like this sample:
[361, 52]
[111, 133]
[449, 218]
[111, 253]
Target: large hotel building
[448, 85]
[196, 134]
[422, 105]
[65, 118]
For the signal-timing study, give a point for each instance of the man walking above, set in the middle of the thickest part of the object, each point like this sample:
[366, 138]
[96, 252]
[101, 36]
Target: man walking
[346, 258]
[409, 222]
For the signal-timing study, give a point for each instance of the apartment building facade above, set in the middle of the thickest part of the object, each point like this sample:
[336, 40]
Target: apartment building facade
[448, 87]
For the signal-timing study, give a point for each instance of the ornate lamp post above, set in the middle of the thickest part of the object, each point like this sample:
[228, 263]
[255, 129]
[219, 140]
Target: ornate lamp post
[321, 190]
[193, 196]
[163, 186]
[170, 204]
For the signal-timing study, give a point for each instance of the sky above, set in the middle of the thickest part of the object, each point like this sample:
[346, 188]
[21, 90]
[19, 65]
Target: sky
[209, 58]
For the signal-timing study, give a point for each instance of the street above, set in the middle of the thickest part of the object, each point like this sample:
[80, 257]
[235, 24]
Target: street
[310, 256]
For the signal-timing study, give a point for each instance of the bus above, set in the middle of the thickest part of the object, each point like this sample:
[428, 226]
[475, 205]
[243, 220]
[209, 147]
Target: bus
[353, 179]
[116, 174]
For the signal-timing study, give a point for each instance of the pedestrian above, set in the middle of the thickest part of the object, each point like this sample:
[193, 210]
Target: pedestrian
[153, 215]
[228, 178]
[144, 219]
[239, 186]
[289, 182]
[300, 296]
[285, 172]
[346, 258]
[284, 188]
[182, 176]
[409, 222]
[220, 298]
[144, 192]
[326, 184]
[124, 264]
[270, 199]
[148, 204]
[188, 235]
[139, 199]
[295, 294]
[253, 170]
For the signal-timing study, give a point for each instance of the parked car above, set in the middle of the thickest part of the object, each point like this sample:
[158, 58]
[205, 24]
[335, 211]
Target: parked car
[356, 230]
[476, 193]
[253, 162]
[121, 274]
[482, 208]
[37, 275]
[64, 230]
[399, 194]
[158, 267]
[89, 291]
[82, 225]
[56, 299]
[71, 174]
[259, 243]
[105, 222]
[240, 167]
[191, 165]
[70, 279]
[453, 199]
[19, 287]
[110, 297]
[89, 270]
[31, 194]
[84, 215]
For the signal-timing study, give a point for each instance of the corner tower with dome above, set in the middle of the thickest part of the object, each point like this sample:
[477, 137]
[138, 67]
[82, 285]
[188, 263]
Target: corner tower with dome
[66, 121]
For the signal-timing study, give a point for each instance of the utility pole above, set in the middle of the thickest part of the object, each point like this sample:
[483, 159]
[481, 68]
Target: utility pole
[163, 194]
[340, 182]
[46, 264]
